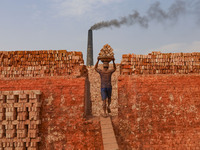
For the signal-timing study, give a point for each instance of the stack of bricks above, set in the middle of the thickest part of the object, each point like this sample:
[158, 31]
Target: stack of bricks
[19, 120]
[159, 111]
[41, 63]
[161, 63]
[106, 51]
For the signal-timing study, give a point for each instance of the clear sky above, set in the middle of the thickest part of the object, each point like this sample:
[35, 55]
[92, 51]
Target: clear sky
[64, 24]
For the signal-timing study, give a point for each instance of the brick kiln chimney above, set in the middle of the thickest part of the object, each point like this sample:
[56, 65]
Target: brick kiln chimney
[90, 49]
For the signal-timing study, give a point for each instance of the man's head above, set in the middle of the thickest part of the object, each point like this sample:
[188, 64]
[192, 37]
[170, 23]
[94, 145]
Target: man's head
[105, 66]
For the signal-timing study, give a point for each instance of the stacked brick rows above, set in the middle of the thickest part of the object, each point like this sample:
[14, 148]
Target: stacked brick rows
[19, 120]
[159, 112]
[40, 63]
[62, 123]
[161, 63]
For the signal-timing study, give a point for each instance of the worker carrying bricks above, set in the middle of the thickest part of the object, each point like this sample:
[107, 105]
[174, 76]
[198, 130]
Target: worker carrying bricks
[106, 55]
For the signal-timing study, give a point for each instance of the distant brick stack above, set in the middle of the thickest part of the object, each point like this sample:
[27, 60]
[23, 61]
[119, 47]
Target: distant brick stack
[19, 119]
[161, 63]
[41, 63]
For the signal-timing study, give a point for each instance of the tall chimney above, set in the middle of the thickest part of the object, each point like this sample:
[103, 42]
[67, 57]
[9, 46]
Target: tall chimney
[90, 49]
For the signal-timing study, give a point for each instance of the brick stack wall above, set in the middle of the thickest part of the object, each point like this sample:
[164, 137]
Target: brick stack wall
[62, 112]
[63, 99]
[41, 63]
[95, 90]
[158, 111]
[19, 119]
[160, 63]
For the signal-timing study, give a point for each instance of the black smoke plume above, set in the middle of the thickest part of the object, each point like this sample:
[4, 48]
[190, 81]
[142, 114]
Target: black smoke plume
[129, 20]
[154, 13]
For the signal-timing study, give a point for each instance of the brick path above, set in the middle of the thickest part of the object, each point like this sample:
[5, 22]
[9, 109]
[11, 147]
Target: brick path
[109, 140]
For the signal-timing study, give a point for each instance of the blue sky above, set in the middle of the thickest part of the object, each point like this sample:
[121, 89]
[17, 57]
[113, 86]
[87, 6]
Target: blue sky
[64, 24]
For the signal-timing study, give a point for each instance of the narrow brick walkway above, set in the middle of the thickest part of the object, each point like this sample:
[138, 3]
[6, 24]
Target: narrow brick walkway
[109, 140]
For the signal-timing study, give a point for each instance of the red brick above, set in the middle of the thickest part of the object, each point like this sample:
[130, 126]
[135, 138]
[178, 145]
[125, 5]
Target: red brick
[62, 103]
[161, 110]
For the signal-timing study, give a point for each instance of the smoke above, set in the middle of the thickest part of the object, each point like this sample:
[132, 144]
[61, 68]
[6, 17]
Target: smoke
[197, 10]
[154, 13]
[177, 9]
[129, 20]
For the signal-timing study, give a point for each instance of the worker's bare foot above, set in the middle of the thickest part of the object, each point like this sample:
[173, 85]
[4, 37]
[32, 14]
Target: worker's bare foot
[104, 115]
